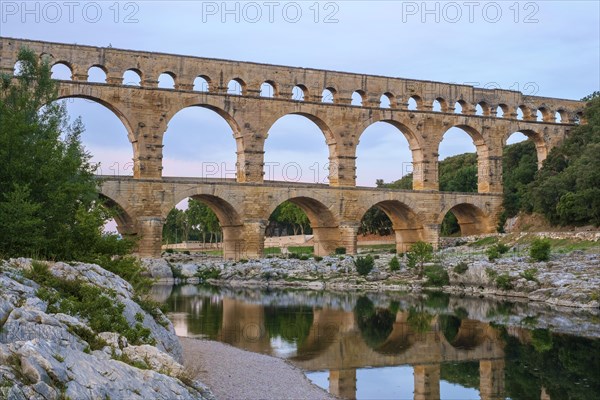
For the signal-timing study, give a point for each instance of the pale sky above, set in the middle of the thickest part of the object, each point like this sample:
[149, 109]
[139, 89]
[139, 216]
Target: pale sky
[550, 47]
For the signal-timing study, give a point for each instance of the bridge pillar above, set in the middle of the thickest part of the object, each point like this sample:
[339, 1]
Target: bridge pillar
[250, 166]
[342, 383]
[425, 171]
[326, 239]
[147, 145]
[489, 169]
[491, 379]
[427, 382]
[254, 238]
[348, 236]
[150, 229]
[342, 171]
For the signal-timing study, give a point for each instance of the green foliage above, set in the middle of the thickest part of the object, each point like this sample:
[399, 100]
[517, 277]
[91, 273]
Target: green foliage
[418, 320]
[364, 265]
[530, 274]
[290, 323]
[375, 221]
[197, 222]
[504, 282]
[340, 250]
[540, 249]
[436, 275]
[567, 188]
[519, 166]
[375, 324]
[461, 268]
[208, 273]
[303, 257]
[492, 253]
[318, 258]
[100, 308]
[394, 264]
[419, 254]
[289, 216]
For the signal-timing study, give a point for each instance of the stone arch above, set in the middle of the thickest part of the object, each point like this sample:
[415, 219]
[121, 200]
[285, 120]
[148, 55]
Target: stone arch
[523, 112]
[358, 98]
[232, 89]
[170, 77]
[472, 219]
[416, 103]
[201, 83]
[540, 145]
[406, 223]
[544, 114]
[387, 100]
[483, 108]
[323, 221]
[109, 105]
[136, 71]
[66, 64]
[464, 107]
[123, 216]
[271, 89]
[300, 93]
[329, 95]
[439, 105]
[561, 116]
[317, 120]
[234, 246]
[502, 110]
[99, 67]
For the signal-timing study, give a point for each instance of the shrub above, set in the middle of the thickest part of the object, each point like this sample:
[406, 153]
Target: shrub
[502, 248]
[392, 251]
[540, 249]
[318, 258]
[493, 253]
[364, 265]
[169, 251]
[530, 274]
[294, 255]
[187, 252]
[461, 268]
[340, 250]
[436, 275]
[376, 257]
[419, 254]
[208, 273]
[303, 257]
[504, 282]
[394, 264]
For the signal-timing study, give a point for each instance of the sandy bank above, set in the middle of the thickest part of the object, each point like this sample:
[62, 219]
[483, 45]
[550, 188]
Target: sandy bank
[232, 373]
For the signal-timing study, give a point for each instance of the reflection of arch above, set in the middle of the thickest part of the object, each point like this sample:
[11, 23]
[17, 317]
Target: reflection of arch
[400, 339]
[540, 145]
[405, 222]
[472, 219]
[469, 336]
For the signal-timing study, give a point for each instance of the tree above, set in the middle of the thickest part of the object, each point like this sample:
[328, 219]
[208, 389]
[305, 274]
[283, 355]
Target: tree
[49, 205]
[419, 254]
[293, 215]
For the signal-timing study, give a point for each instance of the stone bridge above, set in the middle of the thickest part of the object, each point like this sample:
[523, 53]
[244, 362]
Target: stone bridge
[421, 110]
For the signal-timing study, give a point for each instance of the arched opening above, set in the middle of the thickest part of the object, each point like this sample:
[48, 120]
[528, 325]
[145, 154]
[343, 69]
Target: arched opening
[386, 100]
[464, 220]
[97, 74]
[501, 110]
[288, 231]
[166, 80]
[578, 117]
[519, 166]
[523, 113]
[201, 84]
[544, 114]
[405, 225]
[439, 105]
[384, 156]
[132, 77]
[204, 223]
[236, 87]
[458, 107]
[193, 223]
[296, 151]
[561, 117]
[199, 142]
[105, 136]
[375, 225]
[62, 71]
[458, 159]
[328, 95]
[482, 108]
[121, 222]
[321, 221]
[358, 98]
[299, 92]
[267, 89]
[541, 149]
[539, 116]
[414, 103]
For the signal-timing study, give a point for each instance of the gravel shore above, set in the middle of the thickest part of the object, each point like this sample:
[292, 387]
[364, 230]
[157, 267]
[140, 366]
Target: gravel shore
[232, 373]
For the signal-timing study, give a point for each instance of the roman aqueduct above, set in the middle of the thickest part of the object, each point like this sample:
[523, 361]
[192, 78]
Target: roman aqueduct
[244, 204]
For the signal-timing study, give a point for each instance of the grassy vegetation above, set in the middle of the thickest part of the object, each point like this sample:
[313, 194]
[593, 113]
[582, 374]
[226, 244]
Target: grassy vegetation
[484, 241]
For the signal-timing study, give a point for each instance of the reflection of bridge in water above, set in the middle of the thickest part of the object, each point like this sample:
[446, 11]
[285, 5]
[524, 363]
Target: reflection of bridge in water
[335, 343]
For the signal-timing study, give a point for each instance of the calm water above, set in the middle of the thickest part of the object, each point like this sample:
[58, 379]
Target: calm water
[393, 346]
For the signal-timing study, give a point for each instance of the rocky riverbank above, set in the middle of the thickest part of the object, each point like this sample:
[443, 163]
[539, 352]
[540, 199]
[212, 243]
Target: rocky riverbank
[571, 279]
[49, 351]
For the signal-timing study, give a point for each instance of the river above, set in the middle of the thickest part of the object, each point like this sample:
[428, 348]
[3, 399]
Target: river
[402, 346]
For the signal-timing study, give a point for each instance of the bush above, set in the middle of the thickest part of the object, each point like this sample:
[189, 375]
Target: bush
[530, 274]
[364, 265]
[394, 264]
[303, 257]
[540, 249]
[208, 273]
[461, 268]
[318, 258]
[493, 253]
[419, 254]
[393, 251]
[504, 282]
[169, 251]
[340, 250]
[502, 248]
[436, 276]
[187, 252]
